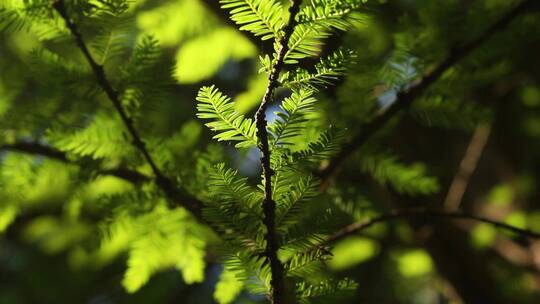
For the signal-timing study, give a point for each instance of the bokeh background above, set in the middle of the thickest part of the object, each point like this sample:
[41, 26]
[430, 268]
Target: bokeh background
[50, 249]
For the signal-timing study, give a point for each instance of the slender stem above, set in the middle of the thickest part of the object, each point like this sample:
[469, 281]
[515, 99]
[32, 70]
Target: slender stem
[161, 180]
[36, 148]
[426, 215]
[405, 98]
[278, 293]
[467, 166]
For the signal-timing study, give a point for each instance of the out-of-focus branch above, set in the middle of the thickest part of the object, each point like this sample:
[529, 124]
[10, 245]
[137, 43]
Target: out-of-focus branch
[425, 215]
[50, 152]
[35, 148]
[405, 98]
[166, 184]
[467, 167]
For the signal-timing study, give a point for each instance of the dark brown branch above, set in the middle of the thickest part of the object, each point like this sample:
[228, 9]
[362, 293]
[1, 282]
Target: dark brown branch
[278, 292]
[36, 148]
[166, 184]
[467, 167]
[405, 98]
[425, 215]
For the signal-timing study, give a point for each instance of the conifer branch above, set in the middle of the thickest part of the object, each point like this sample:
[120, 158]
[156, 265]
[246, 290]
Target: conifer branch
[36, 148]
[406, 97]
[161, 180]
[277, 282]
[467, 166]
[430, 215]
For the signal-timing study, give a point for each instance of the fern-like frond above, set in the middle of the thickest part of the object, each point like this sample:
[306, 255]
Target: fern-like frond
[316, 21]
[328, 143]
[114, 38]
[328, 289]
[409, 179]
[438, 111]
[290, 198]
[234, 208]
[329, 13]
[56, 70]
[291, 117]
[229, 124]
[103, 137]
[145, 55]
[165, 239]
[252, 270]
[228, 287]
[261, 17]
[327, 71]
[307, 263]
[305, 41]
[21, 16]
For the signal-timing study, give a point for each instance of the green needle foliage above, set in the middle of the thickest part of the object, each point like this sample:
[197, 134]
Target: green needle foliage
[261, 17]
[113, 191]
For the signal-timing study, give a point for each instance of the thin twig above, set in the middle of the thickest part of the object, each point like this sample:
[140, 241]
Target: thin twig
[405, 98]
[426, 215]
[36, 148]
[31, 147]
[161, 180]
[277, 282]
[467, 167]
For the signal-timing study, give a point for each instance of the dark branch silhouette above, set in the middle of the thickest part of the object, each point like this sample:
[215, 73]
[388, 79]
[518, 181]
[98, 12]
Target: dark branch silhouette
[165, 183]
[36, 148]
[406, 97]
[277, 282]
[467, 166]
[428, 215]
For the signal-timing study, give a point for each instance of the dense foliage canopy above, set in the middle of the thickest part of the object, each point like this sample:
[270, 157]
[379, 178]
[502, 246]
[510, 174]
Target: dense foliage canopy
[255, 151]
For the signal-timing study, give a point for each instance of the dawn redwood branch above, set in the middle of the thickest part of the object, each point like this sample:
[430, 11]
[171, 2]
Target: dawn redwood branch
[277, 282]
[31, 147]
[161, 180]
[424, 214]
[467, 166]
[406, 97]
[36, 148]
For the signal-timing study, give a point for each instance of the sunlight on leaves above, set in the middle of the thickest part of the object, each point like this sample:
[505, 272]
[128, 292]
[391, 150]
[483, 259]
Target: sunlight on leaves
[517, 219]
[214, 50]
[414, 263]
[227, 288]
[483, 235]
[167, 239]
[351, 252]
[501, 195]
[7, 216]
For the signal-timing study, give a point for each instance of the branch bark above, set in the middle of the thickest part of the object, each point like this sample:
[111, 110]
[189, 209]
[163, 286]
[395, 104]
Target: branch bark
[426, 215]
[278, 292]
[166, 184]
[36, 148]
[405, 98]
[467, 167]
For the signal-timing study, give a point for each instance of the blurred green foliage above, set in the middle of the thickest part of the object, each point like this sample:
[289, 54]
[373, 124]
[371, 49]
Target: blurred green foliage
[81, 220]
